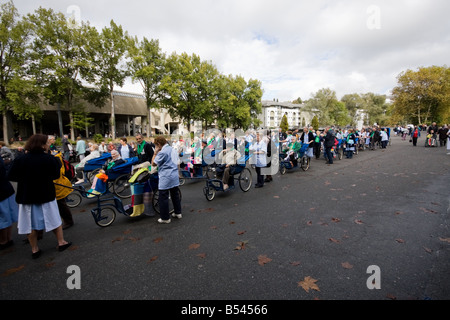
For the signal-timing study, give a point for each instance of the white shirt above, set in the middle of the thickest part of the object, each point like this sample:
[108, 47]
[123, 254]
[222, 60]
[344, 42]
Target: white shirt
[261, 159]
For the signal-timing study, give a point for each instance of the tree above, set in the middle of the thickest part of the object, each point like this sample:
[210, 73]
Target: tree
[186, 87]
[18, 92]
[58, 58]
[315, 123]
[284, 125]
[321, 104]
[339, 113]
[423, 95]
[108, 51]
[375, 108]
[354, 103]
[147, 66]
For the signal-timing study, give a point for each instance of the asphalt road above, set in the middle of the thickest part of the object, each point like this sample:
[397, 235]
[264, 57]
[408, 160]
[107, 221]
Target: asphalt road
[304, 236]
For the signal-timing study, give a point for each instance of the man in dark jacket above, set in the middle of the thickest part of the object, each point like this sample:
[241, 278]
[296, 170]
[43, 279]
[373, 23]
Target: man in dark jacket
[328, 144]
[145, 150]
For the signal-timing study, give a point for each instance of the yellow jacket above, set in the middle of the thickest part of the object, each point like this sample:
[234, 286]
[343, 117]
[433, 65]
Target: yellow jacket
[62, 192]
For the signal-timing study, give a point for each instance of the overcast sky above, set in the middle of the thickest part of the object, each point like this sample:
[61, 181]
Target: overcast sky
[293, 47]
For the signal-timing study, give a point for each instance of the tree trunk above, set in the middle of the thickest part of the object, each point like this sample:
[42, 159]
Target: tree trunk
[5, 127]
[149, 124]
[113, 116]
[33, 124]
[72, 131]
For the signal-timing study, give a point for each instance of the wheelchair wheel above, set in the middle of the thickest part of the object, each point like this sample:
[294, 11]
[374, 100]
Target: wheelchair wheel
[210, 193]
[91, 175]
[104, 217]
[155, 202]
[245, 180]
[73, 200]
[121, 186]
[305, 163]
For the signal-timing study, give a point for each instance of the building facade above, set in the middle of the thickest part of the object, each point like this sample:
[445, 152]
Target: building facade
[273, 112]
[131, 116]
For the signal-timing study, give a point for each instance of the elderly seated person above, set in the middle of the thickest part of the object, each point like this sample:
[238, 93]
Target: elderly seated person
[228, 159]
[101, 179]
[79, 168]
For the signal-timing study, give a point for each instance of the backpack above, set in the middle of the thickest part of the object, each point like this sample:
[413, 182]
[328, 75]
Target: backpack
[69, 170]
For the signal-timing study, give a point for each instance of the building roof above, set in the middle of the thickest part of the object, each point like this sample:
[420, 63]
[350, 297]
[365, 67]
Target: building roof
[125, 104]
[287, 104]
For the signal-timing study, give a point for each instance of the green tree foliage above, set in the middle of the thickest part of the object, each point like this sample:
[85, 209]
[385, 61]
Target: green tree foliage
[17, 90]
[422, 96]
[147, 65]
[108, 52]
[58, 58]
[315, 123]
[240, 103]
[186, 87]
[284, 125]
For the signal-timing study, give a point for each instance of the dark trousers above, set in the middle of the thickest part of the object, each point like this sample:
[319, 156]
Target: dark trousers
[259, 177]
[328, 155]
[164, 202]
[317, 150]
[64, 211]
[414, 140]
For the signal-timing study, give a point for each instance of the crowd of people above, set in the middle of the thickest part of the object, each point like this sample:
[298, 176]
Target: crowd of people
[39, 205]
[434, 135]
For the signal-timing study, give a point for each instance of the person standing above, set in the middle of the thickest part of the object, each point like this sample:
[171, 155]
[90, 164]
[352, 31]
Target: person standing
[38, 210]
[317, 144]
[307, 137]
[350, 143]
[67, 147]
[61, 194]
[328, 143]
[144, 150]
[8, 209]
[442, 132]
[259, 148]
[6, 155]
[125, 150]
[415, 134]
[80, 148]
[166, 158]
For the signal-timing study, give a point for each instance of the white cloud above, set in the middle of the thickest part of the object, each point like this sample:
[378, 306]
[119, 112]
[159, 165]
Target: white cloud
[293, 47]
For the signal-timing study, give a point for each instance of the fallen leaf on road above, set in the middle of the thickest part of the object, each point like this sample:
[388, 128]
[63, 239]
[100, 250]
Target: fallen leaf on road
[201, 255]
[357, 221]
[241, 232]
[428, 250]
[346, 265]
[444, 239]
[157, 240]
[12, 270]
[334, 240]
[194, 246]
[152, 259]
[117, 239]
[263, 259]
[400, 240]
[308, 283]
[241, 245]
